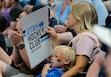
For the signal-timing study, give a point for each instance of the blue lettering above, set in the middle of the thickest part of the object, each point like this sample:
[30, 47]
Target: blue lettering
[41, 24]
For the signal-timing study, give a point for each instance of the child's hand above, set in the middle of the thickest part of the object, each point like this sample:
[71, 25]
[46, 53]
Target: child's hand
[51, 32]
[45, 69]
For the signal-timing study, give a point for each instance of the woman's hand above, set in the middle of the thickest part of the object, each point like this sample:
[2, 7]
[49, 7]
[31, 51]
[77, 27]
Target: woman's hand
[15, 37]
[60, 28]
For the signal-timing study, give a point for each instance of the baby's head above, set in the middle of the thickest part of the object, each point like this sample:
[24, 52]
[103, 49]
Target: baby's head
[63, 56]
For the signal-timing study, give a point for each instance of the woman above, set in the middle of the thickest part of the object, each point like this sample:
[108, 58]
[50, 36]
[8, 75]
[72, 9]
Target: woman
[101, 10]
[81, 18]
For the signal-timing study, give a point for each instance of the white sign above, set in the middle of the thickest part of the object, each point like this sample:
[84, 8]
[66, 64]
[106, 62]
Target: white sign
[36, 40]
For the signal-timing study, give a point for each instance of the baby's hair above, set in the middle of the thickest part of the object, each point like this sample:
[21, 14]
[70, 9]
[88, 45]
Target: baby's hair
[68, 53]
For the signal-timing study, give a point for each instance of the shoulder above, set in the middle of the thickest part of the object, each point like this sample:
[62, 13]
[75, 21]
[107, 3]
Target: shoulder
[59, 5]
[17, 7]
[85, 37]
[89, 35]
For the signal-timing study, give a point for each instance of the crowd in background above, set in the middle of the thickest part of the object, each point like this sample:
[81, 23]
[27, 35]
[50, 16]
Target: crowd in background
[71, 23]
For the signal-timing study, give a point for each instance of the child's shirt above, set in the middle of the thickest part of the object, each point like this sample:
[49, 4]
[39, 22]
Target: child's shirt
[53, 72]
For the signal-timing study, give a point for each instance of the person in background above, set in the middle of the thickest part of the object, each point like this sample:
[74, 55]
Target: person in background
[5, 12]
[38, 2]
[3, 24]
[103, 59]
[24, 2]
[51, 4]
[62, 10]
[108, 5]
[104, 46]
[101, 10]
[16, 9]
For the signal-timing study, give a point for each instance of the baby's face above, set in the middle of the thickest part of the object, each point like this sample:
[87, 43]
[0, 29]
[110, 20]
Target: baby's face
[57, 60]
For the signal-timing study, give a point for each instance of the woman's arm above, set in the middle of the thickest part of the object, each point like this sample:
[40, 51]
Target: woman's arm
[18, 54]
[81, 62]
[65, 37]
[24, 56]
[5, 57]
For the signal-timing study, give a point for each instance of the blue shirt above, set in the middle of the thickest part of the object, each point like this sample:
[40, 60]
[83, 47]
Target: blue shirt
[53, 72]
[37, 2]
[65, 14]
[100, 8]
[6, 14]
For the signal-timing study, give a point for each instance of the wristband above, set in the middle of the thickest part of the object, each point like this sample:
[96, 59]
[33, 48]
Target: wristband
[21, 46]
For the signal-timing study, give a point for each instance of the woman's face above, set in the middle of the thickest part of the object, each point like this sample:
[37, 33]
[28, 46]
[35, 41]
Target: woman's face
[19, 25]
[71, 21]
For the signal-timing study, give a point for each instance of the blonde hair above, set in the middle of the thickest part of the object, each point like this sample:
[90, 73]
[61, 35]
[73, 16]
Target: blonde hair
[68, 53]
[85, 14]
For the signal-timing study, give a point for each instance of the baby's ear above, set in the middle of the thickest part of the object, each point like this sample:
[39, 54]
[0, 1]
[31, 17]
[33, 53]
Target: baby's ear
[67, 61]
